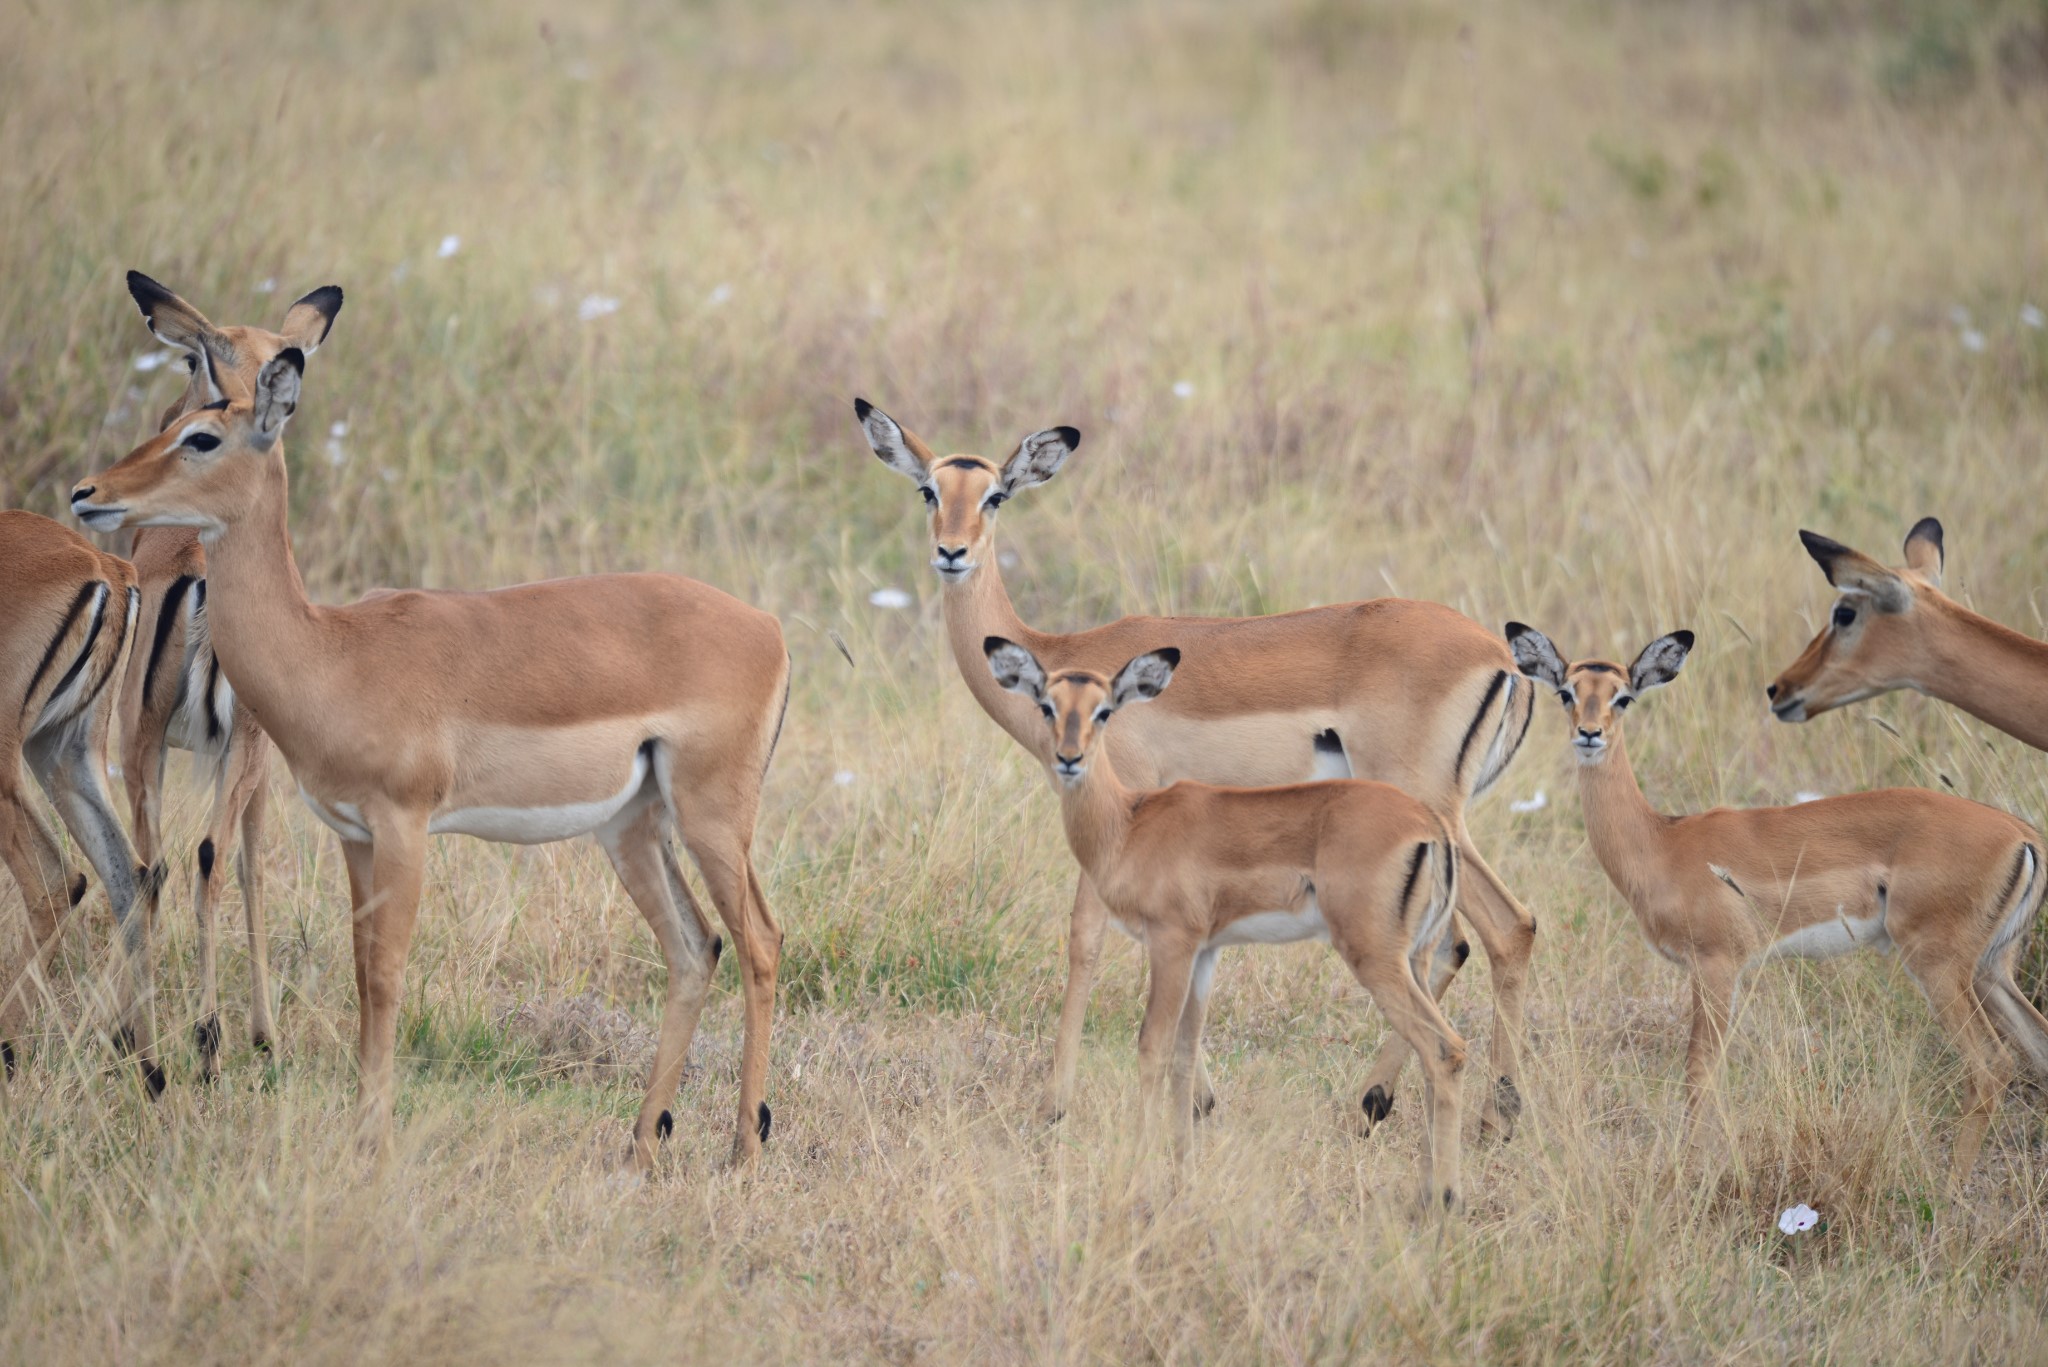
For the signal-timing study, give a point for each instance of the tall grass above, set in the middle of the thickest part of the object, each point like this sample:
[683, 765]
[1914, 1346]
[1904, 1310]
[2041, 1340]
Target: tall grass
[1573, 315]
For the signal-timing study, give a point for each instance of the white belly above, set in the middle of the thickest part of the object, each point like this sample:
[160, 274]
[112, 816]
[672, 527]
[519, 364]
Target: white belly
[1274, 928]
[538, 825]
[1826, 939]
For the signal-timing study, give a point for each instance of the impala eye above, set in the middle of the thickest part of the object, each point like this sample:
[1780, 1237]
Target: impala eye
[1564, 695]
[191, 364]
[1844, 614]
[201, 441]
[931, 495]
[1621, 703]
[1046, 708]
[1102, 716]
[994, 500]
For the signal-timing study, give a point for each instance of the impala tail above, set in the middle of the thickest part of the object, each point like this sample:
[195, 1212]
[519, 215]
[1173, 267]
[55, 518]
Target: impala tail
[1429, 893]
[1502, 724]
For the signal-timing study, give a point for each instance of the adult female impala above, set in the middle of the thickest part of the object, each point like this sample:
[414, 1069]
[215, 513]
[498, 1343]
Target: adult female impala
[67, 615]
[621, 705]
[1897, 629]
[1947, 883]
[1409, 693]
[175, 694]
[1189, 869]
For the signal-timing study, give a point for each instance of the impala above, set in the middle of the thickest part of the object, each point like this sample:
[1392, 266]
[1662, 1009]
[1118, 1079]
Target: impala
[67, 615]
[1895, 628]
[175, 694]
[1949, 884]
[1189, 869]
[628, 706]
[1408, 693]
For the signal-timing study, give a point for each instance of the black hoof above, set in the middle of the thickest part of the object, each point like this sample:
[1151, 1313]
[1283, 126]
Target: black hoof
[124, 1042]
[206, 1035]
[7, 1056]
[1204, 1106]
[717, 949]
[665, 1126]
[153, 1078]
[261, 1044]
[1377, 1107]
[767, 1122]
[1507, 1099]
[1461, 951]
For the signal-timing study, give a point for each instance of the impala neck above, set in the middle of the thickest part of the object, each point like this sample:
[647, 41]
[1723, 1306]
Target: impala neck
[1990, 671]
[975, 611]
[1097, 813]
[261, 623]
[1625, 831]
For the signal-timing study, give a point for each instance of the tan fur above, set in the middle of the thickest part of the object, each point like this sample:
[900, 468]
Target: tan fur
[1935, 877]
[1908, 634]
[410, 707]
[161, 681]
[1402, 683]
[67, 614]
[1180, 867]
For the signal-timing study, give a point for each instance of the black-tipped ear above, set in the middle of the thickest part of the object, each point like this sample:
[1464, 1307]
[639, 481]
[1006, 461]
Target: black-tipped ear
[1534, 655]
[1144, 678]
[861, 409]
[147, 293]
[294, 358]
[1039, 457]
[1925, 554]
[1014, 667]
[1660, 662]
[308, 321]
[893, 446]
[1824, 550]
[175, 322]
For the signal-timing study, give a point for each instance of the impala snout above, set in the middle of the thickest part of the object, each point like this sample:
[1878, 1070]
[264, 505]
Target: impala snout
[1070, 768]
[99, 517]
[1589, 743]
[951, 562]
[1787, 704]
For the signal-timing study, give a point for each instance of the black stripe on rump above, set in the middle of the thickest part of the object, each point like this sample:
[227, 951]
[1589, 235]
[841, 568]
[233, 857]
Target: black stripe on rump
[70, 619]
[113, 660]
[1414, 872]
[1485, 705]
[2012, 884]
[165, 615]
[98, 591]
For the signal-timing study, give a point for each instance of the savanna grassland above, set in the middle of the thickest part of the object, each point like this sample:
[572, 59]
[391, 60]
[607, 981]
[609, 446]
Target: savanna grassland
[1573, 314]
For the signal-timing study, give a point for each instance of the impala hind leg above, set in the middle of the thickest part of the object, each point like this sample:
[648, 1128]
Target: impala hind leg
[142, 774]
[70, 764]
[1439, 1049]
[240, 775]
[249, 873]
[47, 888]
[637, 844]
[1951, 991]
[1442, 965]
[1183, 1104]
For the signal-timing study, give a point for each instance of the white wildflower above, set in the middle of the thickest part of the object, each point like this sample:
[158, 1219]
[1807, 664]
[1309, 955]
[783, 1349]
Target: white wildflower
[2031, 315]
[596, 306]
[1535, 802]
[1973, 340]
[154, 360]
[719, 294]
[1797, 1220]
[267, 285]
[844, 778]
[450, 245]
[1183, 389]
[889, 598]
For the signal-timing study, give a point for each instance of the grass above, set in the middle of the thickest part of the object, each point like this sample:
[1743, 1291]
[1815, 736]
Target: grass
[1571, 315]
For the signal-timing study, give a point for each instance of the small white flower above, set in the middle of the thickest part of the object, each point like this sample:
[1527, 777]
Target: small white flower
[1797, 1220]
[1973, 340]
[719, 294]
[844, 778]
[1535, 802]
[1807, 795]
[596, 306]
[889, 598]
[153, 360]
[450, 245]
[339, 429]
[1183, 389]
[267, 285]
[2031, 315]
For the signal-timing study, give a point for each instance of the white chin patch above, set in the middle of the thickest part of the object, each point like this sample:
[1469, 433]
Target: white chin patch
[101, 519]
[1590, 754]
[954, 574]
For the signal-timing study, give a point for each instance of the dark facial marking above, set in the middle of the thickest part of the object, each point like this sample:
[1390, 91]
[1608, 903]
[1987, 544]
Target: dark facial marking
[1485, 706]
[665, 1126]
[963, 463]
[217, 406]
[767, 1121]
[78, 605]
[1377, 1106]
[166, 616]
[206, 859]
[1204, 1105]
[1599, 667]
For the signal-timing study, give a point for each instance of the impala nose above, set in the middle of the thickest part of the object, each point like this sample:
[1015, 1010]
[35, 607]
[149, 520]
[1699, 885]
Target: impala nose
[952, 557]
[1584, 734]
[1771, 692]
[83, 492]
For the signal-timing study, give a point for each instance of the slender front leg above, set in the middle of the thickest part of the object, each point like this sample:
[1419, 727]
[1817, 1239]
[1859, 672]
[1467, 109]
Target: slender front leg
[1507, 933]
[1713, 1008]
[142, 773]
[1439, 1049]
[1435, 973]
[249, 871]
[1084, 947]
[1173, 964]
[397, 864]
[1182, 1104]
[234, 789]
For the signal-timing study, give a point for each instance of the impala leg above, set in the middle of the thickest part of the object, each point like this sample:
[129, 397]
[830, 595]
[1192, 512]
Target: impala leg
[1172, 977]
[1951, 992]
[1182, 1104]
[1507, 932]
[142, 774]
[637, 845]
[1441, 1051]
[359, 859]
[47, 887]
[1442, 966]
[71, 765]
[234, 788]
[397, 865]
[1713, 1009]
[249, 872]
[1084, 947]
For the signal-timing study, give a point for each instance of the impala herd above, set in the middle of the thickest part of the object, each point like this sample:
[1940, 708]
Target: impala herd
[1291, 777]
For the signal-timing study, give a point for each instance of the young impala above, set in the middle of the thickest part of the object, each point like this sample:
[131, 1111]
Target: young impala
[1897, 629]
[175, 694]
[625, 705]
[1408, 693]
[1189, 869]
[67, 615]
[1949, 884]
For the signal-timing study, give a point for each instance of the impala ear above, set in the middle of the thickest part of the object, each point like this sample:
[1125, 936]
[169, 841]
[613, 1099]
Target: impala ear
[1854, 572]
[1660, 662]
[1144, 678]
[307, 322]
[1039, 457]
[277, 393]
[1535, 656]
[1924, 554]
[1015, 668]
[898, 449]
[175, 322]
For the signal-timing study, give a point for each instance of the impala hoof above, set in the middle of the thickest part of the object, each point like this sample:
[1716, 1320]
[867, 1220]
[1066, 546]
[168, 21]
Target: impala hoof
[664, 1127]
[1377, 1106]
[765, 1123]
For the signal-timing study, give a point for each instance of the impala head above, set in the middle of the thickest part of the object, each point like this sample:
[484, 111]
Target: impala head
[963, 492]
[1596, 692]
[198, 471]
[1077, 703]
[1871, 643]
[223, 363]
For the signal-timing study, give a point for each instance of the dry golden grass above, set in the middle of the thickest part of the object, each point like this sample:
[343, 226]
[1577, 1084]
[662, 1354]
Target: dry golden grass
[1570, 316]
